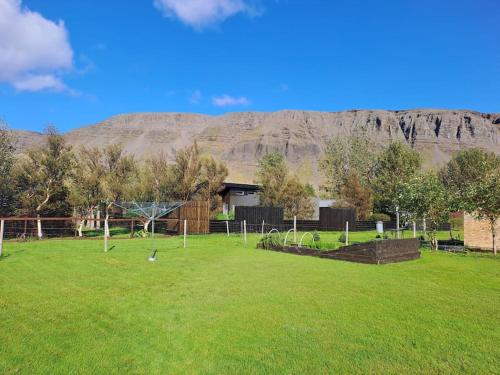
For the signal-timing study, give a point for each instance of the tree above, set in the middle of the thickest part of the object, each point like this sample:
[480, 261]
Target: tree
[424, 196]
[353, 194]
[343, 155]
[87, 183]
[213, 175]
[186, 172]
[472, 180]
[394, 165]
[486, 197]
[463, 172]
[296, 199]
[278, 189]
[7, 159]
[119, 173]
[155, 181]
[271, 175]
[42, 177]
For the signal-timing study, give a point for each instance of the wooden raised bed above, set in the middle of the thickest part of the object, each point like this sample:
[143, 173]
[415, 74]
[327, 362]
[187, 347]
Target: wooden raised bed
[374, 252]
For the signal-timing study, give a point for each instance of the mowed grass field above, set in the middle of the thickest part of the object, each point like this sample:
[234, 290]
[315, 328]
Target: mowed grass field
[219, 307]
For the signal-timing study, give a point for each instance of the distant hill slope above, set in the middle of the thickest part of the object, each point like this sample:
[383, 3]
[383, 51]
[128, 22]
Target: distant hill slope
[241, 139]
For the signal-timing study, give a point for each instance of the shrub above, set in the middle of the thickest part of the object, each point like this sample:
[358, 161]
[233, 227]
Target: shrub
[270, 240]
[379, 216]
[342, 238]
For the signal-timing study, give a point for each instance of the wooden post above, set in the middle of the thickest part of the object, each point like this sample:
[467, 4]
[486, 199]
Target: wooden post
[245, 230]
[185, 232]
[346, 233]
[98, 219]
[397, 222]
[295, 229]
[2, 227]
[198, 215]
[414, 229]
[227, 227]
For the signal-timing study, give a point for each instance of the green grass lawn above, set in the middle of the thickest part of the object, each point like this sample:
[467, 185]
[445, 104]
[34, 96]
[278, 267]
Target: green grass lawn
[219, 307]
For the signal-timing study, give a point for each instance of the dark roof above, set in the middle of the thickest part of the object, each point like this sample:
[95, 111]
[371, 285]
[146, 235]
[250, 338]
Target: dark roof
[227, 186]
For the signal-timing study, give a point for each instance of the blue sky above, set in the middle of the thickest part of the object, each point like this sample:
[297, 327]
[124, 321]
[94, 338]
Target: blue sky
[72, 63]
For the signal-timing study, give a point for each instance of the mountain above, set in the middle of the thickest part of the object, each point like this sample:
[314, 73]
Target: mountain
[241, 139]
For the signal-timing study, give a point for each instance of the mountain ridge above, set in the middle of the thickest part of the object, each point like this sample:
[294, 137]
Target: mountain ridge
[241, 138]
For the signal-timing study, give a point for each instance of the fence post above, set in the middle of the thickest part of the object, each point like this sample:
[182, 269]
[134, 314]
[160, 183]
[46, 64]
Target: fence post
[346, 233]
[227, 227]
[245, 230]
[397, 221]
[185, 232]
[295, 229]
[414, 229]
[2, 226]
[263, 222]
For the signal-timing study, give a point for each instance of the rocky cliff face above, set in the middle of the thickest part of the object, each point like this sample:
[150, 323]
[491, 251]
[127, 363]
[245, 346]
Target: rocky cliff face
[241, 139]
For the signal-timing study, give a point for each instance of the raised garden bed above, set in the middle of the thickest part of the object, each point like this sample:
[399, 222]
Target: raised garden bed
[373, 252]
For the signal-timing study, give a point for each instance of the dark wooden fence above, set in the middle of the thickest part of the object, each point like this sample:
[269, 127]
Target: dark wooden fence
[335, 218]
[256, 215]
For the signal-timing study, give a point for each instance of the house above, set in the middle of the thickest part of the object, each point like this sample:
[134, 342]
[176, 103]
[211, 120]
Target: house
[477, 234]
[234, 194]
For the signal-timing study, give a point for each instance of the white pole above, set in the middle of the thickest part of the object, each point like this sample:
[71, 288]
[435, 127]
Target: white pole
[106, 233]
[2, 225]
[185, 232]
[227, 227]
[263, 223]
[295, 229]
[346, 233]
[39, 227]
[245, 230]
[414, 229]
[397, 221]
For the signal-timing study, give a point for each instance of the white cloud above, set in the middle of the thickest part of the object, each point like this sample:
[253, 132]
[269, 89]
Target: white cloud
[39, 82]
[203, 13]
[226, 100]
[33, 49]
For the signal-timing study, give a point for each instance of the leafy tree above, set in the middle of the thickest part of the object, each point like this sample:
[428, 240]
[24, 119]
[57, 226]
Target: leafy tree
[424, 196]
[343, 155]
[271, 175]
[120, 171]
[7, 159]
[394, 165]
[278, 189]
[155, 180]
[463, 172]
[42, 177]
[486, 197]
[472, 179]
[353, 194]
[186, 172]
[296, 199]
[87, 191]
[213, 175]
